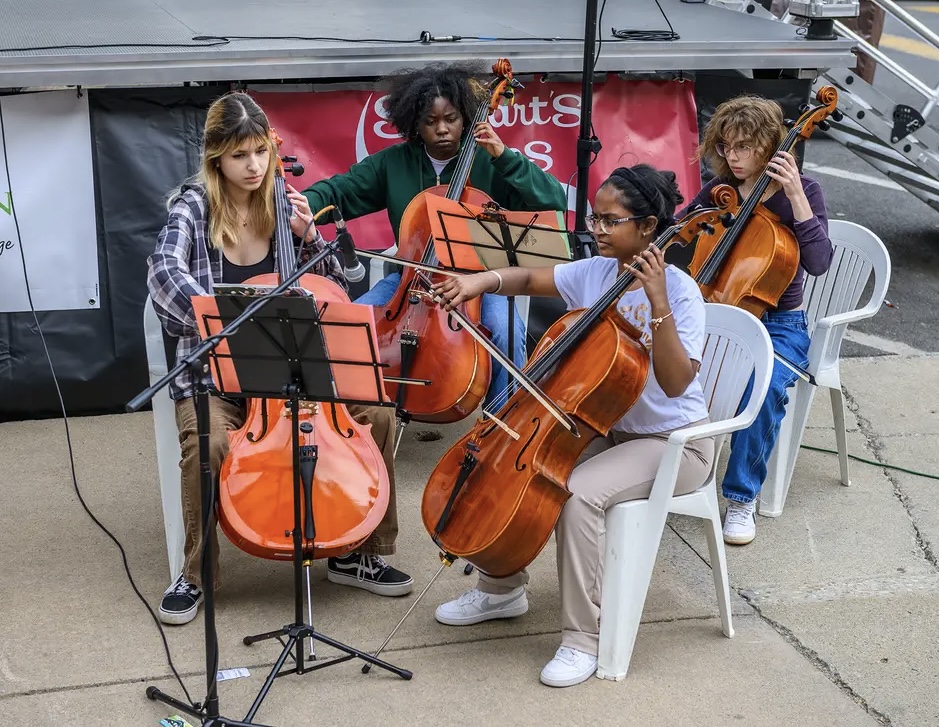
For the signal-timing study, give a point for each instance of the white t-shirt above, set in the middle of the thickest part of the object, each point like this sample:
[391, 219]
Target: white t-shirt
[438, 165]
[582, 282]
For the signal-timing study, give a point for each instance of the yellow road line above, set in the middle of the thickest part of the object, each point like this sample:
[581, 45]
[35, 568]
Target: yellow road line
[922, 8]
[910, 45]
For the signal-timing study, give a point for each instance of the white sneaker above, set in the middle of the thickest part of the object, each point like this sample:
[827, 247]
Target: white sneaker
[740, 522]
[568, 667]
[475, 606]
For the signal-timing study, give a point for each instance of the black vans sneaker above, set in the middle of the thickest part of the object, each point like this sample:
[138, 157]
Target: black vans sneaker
[369, 572]
[180, 602]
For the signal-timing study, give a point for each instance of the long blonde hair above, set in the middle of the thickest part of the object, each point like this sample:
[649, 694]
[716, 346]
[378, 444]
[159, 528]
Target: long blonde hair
[743, 117]
[232, 120]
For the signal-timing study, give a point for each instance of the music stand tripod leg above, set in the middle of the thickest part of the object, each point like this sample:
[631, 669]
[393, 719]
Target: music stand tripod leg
[208, 712]
[317, 384]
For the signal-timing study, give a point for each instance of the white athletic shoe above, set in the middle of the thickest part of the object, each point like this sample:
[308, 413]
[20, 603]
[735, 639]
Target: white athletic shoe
[568, 667]
[740, 523]
[475, 606]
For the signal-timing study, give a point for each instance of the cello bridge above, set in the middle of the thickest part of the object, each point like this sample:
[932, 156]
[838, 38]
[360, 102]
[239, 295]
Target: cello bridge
[308, 408]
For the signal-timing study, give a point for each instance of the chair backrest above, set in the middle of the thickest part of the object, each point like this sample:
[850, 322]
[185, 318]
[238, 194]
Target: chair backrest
[153, 335]
[858, 254]
[158, 342]
[736, 348]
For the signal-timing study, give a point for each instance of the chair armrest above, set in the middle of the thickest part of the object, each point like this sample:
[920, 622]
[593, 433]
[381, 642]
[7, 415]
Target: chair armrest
[843, 319]
[711, 429]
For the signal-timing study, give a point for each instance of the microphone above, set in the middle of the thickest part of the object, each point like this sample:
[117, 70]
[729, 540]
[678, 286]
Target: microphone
[352, 266]
[426, 37]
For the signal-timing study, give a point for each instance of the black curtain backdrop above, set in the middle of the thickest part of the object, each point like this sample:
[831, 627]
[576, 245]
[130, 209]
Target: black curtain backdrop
[145, 142]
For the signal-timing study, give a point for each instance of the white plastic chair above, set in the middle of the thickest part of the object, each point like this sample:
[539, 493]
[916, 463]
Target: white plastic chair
[831, 304]
[737, 345]
[167, 442]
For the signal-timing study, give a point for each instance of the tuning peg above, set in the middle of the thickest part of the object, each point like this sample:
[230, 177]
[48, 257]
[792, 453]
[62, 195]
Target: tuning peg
[727, 219]
[803, 108]
[708, 228]
[788, 122]
[836, 115]
[824, 125]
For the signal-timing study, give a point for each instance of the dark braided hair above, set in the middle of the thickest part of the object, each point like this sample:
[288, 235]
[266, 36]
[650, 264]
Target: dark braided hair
[412, 91]
[648, 192]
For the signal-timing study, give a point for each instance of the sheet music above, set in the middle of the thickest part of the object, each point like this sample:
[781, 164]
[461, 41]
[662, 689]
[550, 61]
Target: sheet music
[470, 237]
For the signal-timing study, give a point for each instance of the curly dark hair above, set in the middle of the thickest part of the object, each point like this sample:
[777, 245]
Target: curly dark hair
[412, 91]
[648, 192]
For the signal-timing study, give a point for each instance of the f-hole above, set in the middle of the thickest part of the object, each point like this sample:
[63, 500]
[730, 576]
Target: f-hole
[250, 436]
[345, 434]
[537, 422]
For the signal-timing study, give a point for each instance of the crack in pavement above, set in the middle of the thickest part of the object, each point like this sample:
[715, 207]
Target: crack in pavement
[819, 663]
[882, 586]
[876, 446]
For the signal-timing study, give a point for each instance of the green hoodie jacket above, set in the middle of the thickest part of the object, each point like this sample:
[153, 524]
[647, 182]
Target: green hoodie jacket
[392, 177]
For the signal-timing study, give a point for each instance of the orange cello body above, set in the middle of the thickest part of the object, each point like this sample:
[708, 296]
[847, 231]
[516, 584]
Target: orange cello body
[758, 269]
[514, 495]
[416, 338]
[494, 500]
[456, 364]
[351, 489]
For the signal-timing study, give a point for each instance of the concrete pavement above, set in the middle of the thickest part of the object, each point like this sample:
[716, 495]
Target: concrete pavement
[834, 607]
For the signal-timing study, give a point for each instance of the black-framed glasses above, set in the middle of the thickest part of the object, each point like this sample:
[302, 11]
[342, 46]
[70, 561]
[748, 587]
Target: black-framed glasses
[743, 150]
[604, 225]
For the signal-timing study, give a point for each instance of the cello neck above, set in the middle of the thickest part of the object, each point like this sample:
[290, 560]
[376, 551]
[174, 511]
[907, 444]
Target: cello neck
[458, 181]
[467, 154]
[283, 237]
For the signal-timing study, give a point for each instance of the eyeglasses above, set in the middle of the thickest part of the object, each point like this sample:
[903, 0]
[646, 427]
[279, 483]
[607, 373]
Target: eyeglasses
[743, 151]
[604, 225]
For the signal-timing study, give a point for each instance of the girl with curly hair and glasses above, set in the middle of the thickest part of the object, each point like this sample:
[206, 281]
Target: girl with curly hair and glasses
[739, 143]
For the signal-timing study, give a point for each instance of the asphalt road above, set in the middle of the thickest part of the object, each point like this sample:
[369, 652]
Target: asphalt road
[858, 192]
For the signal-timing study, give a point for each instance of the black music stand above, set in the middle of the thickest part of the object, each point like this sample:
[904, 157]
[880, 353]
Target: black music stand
[507, 244]
[197, 362]
[283, 355]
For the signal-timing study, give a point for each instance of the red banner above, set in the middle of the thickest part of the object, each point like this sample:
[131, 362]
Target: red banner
[636, 121]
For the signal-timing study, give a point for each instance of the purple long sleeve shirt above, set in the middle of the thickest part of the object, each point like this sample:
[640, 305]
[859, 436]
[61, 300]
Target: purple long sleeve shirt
[815, 249]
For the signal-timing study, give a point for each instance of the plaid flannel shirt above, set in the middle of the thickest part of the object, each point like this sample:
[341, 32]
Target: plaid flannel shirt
[184, 264]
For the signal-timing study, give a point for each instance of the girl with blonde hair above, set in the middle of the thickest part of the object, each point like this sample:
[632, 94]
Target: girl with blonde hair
[220, 230]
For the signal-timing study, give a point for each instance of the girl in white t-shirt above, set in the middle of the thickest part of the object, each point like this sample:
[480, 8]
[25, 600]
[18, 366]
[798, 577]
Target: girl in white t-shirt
[631, 209]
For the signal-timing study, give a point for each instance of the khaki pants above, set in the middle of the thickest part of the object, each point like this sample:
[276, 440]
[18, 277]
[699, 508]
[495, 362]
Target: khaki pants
[225, 416]
[616, 469]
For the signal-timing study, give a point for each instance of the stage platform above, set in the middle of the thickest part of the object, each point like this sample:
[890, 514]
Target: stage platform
[58, 43]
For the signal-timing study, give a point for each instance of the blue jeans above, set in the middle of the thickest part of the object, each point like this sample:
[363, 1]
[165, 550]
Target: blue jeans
[751, 448]
[494, 316]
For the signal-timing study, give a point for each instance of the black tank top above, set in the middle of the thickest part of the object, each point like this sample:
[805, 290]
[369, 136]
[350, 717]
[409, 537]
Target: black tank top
[235, 274]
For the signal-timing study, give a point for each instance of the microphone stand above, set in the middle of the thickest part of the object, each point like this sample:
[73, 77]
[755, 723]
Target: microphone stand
[587, 143]
[197, 362]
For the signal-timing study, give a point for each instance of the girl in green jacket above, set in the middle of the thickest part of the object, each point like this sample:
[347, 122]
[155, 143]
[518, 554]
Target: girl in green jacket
[432, 108]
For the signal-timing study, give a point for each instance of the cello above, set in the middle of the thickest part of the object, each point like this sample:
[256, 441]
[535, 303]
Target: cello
[256, 480]
[496, 495]
[756, 258]
[421, 341]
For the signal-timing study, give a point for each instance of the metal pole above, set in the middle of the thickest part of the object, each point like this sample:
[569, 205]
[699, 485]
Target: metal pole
[586, 143]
